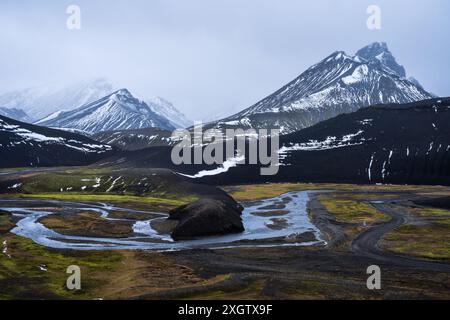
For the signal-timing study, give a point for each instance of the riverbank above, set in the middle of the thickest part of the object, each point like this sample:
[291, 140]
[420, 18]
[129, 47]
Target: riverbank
[353, 222]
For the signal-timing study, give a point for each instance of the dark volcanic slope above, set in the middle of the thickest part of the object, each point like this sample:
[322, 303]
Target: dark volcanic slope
[135, 139]
[23, 145]
[393, 143]
[139, 182]
[406, 143]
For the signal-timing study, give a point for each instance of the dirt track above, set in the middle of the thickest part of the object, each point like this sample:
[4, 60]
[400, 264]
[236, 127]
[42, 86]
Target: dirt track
[366, 244]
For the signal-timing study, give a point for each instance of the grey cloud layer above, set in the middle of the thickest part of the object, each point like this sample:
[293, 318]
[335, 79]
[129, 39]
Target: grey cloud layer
[211, 57]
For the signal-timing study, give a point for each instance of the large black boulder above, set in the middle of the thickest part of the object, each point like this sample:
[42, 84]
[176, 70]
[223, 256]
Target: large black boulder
[207, 217]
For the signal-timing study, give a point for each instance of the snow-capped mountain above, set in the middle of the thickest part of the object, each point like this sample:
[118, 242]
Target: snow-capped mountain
[16, 114]
[167, 110]
[338, 84]
[26, 145]
[117, 111]
[40, 101]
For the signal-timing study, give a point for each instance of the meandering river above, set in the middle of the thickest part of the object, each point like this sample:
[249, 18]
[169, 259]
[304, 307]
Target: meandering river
[265, 220]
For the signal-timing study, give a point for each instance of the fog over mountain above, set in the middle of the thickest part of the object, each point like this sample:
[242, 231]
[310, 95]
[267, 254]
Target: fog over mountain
[211, 57]
[117, 111]
[45, 102]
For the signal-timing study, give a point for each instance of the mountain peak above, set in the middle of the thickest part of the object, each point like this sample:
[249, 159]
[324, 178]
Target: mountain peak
[124, 96]
[340, 83]
[123, 93]
[372, 50]
[119, 110]
[338, 55]
[378, 52]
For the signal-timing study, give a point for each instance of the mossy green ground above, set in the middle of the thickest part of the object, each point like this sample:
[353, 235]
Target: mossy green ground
[87, 224]
[92, 180]
[76, 196]
[427, 237]
[104, 274]
[6, 223]
[431, 241]
[270, 190]
[351, 211]
[22, 278]
[96, 184]
[430, 212]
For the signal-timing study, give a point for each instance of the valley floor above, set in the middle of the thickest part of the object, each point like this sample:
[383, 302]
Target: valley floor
[403, 229]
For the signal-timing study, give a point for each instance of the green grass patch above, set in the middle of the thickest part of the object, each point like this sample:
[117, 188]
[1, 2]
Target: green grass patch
[21, 277]
[263, 191]
[6, 223]
[430, 212]
[98, 184]
[87, 224]
[430, 241]
[351, 211]
[270, 190]
[73, 196]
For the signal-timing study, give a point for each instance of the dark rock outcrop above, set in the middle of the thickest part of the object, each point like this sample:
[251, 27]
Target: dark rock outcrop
[207, 217]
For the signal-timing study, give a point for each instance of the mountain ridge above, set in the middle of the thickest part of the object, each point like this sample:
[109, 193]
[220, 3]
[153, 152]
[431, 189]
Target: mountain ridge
[43, 101]
[14, 113]
[166, 109]
[117, 111]
[338, 84]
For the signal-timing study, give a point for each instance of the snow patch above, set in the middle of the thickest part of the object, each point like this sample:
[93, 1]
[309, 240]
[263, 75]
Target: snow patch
[230, 163]
[327, 144]
[358, 75]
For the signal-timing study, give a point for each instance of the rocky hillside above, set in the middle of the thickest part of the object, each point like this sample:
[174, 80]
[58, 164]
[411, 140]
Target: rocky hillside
[26, 145]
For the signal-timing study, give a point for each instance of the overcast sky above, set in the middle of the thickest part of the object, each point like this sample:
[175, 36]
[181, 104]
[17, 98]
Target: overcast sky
[212, 57]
